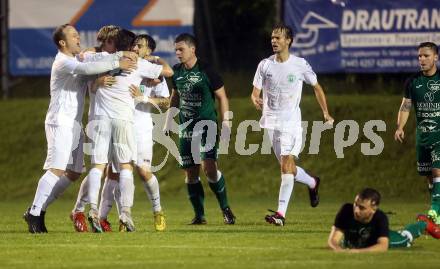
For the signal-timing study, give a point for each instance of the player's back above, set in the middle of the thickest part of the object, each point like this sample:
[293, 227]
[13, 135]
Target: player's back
[116, 101]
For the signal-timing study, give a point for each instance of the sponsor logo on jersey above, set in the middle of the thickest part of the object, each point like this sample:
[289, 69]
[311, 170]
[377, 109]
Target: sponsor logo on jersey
[429, 96]
[418, 86]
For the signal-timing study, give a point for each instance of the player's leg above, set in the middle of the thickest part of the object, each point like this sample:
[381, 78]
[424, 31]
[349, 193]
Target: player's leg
[144, 145]
[216, 179]
[405, 237]
[107, 198]
[124, 151]
[434, 211]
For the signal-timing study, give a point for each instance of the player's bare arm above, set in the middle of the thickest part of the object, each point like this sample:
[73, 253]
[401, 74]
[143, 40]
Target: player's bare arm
[335, 239]
[167, 71]
[174, 102]
[222, 98]
[162, 102]
[402, 118]
[322, 101]
[256, 99]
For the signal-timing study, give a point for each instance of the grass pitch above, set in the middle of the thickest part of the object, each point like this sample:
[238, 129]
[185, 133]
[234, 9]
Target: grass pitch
[251, 243]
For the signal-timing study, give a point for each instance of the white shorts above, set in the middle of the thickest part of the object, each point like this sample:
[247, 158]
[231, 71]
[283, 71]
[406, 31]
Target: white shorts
[64, 148]
[144, 146]
[114, 138]
[286, 143]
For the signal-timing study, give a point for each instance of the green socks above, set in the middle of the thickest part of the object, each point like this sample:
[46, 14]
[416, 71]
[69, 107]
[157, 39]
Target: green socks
[197, 197]
[416, 229]
[219, 189]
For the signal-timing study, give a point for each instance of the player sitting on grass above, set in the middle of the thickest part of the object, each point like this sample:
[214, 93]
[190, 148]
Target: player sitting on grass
[363, 227]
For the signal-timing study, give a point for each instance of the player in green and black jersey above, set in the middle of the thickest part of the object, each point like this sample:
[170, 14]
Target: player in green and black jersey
[362, 227]
[422, 90]
[196, 86]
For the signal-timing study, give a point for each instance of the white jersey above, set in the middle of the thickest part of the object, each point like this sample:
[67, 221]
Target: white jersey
[68, 84]
[281, 84]
[116, 101]
[143, 110]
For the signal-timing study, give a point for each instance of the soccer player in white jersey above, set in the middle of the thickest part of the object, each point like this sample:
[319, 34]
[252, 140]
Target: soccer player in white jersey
[107, 37]
[153, 93]
[113, 124]
[280, 77]
[64, 162]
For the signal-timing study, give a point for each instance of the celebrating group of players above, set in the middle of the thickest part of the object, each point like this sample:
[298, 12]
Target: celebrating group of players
[124, 82]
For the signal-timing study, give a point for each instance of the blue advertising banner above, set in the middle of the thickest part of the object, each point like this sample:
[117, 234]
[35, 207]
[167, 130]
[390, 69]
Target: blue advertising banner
[31, 23]
[362, 36]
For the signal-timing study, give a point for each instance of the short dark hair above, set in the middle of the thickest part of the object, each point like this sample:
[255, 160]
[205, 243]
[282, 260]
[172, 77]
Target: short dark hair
[189, 39]
[288, 32]
[370, 194]
[125, 39]
[430, 45]
[150, 41]
[58, 34]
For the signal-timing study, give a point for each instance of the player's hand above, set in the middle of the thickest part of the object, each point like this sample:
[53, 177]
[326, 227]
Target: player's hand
[152, 82]
[152, 58]
[258, 102]
[399, 135]
[131, 55]
[105, 81]
[328, 119]
[135, 91]
[127, 65]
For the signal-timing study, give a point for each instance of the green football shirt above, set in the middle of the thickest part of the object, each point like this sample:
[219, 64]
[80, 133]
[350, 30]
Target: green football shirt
[196, 88]
[424, 93]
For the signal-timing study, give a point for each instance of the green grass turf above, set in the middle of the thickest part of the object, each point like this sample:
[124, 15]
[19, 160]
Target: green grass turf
[251, 243]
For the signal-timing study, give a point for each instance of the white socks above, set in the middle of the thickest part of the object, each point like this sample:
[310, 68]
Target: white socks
[151, 187]
[83, 196]
[219, 175]
[286, 188]
[62, 184]
[94, 186]
[44, 189]
[107, 197]
[126, 186]
[303, 177]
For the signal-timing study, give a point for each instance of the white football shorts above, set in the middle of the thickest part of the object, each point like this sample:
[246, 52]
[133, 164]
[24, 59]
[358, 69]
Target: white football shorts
[286, 142]
[64, 148]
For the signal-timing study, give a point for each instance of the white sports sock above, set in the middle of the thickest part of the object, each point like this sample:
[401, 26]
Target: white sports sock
[83, 196]
[286, 189]
[44, 188]
[107, 197]
[151, 187]
[217, 179]
[117, 196]
[62, 184]
[94, 186]
[126, 186]
[303, 177]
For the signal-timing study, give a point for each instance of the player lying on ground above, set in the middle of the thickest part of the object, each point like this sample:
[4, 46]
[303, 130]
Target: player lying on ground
[363, 227]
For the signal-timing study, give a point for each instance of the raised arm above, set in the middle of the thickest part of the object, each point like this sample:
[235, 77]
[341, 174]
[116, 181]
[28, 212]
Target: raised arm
[167, 71]
[402, 118]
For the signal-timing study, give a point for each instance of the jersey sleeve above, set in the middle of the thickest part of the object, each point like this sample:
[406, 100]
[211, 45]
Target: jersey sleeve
[383, 229]
[161, 90]
[99, 56]
[343, 217]
[215, 80]
[309, 75]
[407, 93]
[258, 77]
[73, 66]
[149, 70]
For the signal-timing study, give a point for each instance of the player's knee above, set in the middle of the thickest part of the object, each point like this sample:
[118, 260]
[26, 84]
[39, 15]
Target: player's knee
[72, 176]
[145, 173]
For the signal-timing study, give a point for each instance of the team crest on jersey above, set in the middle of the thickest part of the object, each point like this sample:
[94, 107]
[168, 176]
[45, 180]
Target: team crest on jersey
[291, 78]
[433, 85]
